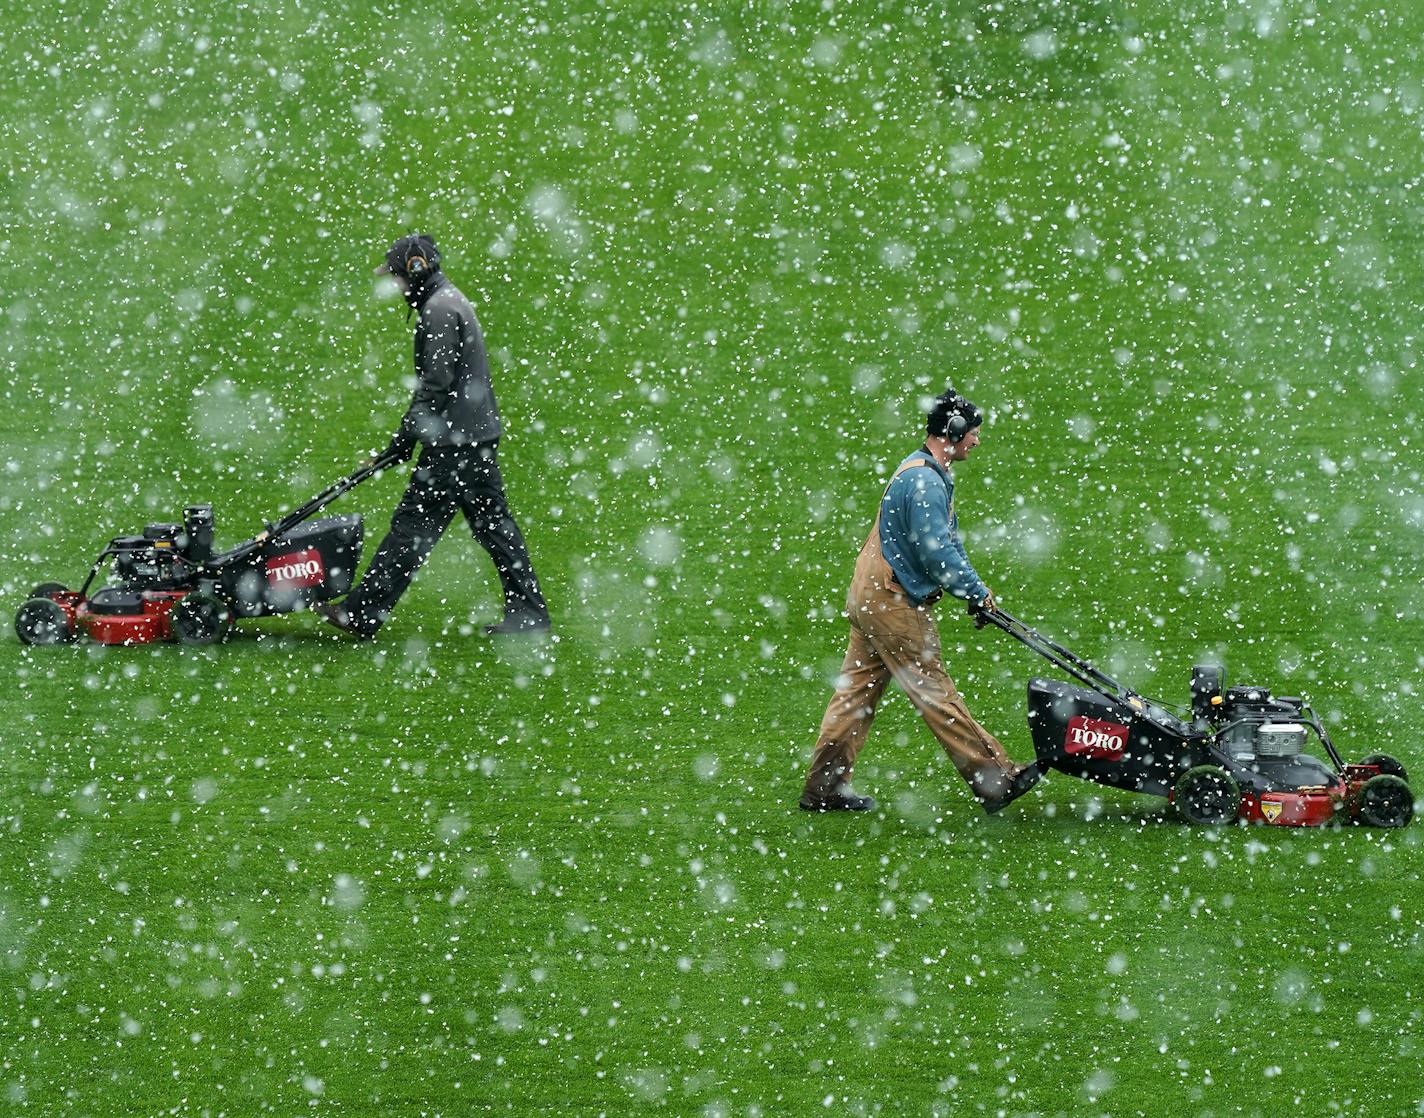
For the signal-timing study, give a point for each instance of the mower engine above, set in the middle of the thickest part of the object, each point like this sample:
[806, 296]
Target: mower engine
[155, 560]
[1266, 735]
[1277, 740]
[1261, 741]
[166, 556]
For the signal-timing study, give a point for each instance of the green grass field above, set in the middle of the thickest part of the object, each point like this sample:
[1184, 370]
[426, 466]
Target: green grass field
[720, 254]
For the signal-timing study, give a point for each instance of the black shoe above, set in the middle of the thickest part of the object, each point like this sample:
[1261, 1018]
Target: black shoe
[519, 624]
[1019, 783]
[340, 617]
[842, 799]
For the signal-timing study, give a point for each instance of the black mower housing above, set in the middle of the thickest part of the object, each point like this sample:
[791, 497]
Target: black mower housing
[312, 563]
[1136, 744]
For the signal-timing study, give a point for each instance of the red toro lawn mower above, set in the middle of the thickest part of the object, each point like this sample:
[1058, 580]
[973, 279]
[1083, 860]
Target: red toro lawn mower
[172, 586]
[1240, 754]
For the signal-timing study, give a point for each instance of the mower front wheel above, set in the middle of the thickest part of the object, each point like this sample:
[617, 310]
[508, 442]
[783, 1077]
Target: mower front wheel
[1384, 801]
[42, 621]
[199, 619]
[1387, 765]
[49, 590]
[1207, 796]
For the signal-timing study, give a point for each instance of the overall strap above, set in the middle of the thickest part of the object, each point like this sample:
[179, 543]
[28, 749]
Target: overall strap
[875, 526]
[910, 465]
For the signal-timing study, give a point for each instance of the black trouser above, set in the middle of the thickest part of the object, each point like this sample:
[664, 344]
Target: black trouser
[464, 478]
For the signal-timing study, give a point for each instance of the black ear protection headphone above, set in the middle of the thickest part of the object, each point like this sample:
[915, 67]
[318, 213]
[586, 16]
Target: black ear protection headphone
[422, 258]
[952, 417]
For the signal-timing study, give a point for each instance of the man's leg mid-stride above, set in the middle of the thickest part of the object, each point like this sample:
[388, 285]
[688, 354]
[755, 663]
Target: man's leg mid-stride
[422, 516]
[862, 681]
[907, 640]
[494, 528]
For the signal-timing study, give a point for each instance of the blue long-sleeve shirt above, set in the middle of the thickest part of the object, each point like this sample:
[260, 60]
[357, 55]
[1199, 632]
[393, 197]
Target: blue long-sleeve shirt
[919, 534]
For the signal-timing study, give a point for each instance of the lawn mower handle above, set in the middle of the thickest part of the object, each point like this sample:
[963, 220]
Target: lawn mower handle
[331, 493]
[316, 504]
[1319, 727]
[1052, 651]
[286, 524]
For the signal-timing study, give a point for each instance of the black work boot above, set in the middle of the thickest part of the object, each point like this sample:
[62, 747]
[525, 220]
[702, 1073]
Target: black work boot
[842, 798]
[520, 624]
[1016, 786]
[337, 616]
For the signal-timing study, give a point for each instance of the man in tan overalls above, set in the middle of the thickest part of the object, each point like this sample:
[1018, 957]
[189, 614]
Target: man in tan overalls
[911, 558]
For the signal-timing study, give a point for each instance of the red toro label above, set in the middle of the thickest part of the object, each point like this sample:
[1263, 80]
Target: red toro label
[296, 570]
[1095, 739]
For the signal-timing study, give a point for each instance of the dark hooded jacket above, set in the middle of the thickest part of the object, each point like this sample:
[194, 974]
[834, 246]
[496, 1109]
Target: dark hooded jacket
[454, 403]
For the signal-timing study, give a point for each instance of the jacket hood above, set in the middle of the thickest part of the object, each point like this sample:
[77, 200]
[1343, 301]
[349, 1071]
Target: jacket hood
[418, 295]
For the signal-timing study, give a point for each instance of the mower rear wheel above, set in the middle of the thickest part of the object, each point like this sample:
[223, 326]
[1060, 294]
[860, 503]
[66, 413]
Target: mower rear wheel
[1384, 801]
[200, 619]
[1387, 765]
[49, 590]
[1207, 796]
[42, 621]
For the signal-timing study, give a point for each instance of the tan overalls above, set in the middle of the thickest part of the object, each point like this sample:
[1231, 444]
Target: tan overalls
[890, 636]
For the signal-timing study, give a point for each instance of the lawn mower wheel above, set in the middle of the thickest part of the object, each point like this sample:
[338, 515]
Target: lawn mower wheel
[1385, 801]
[1207, 795]
[200, 619]
[42, 621]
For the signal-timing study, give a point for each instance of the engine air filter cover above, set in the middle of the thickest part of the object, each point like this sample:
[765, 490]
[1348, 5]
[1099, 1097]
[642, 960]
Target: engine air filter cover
[1280, 739]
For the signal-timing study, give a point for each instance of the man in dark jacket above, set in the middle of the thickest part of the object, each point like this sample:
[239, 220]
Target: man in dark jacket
[454, 418]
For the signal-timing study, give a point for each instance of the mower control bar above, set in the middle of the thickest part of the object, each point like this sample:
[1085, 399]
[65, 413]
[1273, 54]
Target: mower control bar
[1054, 653]
[314, 506]
[329, 494]
[1319, 728]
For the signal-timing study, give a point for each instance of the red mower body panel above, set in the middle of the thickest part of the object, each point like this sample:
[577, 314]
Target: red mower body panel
[1301, 808]
[1309, 806]
[130, 628]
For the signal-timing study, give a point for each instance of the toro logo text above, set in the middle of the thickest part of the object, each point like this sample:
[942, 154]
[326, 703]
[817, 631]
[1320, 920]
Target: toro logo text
[1093, 738]
[296, 569]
